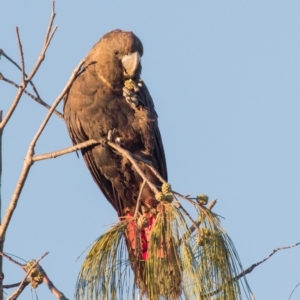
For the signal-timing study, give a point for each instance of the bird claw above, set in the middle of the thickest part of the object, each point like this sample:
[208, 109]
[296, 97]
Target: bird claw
[118, 141]
[112, 137]
[130, 91]
[130, 96]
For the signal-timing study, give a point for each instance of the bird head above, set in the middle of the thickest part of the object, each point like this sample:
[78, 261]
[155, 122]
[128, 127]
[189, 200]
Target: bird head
[117, 58]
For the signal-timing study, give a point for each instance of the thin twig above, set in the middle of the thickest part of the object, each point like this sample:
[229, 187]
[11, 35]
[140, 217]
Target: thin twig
[53, 14]
[150, 166]
[1, 131]
[20, 90]
[48, 38]
[128, 155]
[28, 161]
[2, 239]
[57, 293]
[250, 269]
[35, 98]
[21, 287]
[16, 293]
[293, 291]
[31, 75]
[21, 56]
[9, 286]
[209, 206]
[139, 200]
[15, 64]
[65, 151]
[198, 222]
[185, 198]
[186, 213]
[13, 260]
[56, 102]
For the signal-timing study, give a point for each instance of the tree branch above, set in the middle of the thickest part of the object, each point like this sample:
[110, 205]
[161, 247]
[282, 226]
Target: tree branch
[137, 207]
[128, 155]
[35, 98]
[53, 14]
[1, 240]
[65, 151]
[250, 269]
[21, 56]
[13, 260]
[15, 64]
[48, 38]
[28, 161]
[25, 282]
[9, 286]
[24, 83]
[58, 294]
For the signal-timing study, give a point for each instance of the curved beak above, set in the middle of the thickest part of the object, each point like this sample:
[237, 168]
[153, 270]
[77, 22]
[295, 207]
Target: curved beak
[130, 63]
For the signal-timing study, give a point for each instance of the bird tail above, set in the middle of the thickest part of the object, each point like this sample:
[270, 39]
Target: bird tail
[153, 252]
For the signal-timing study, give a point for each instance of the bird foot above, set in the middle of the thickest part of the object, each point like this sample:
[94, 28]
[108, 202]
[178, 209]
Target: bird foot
[130, 91]
[130, 96]
[112, 136]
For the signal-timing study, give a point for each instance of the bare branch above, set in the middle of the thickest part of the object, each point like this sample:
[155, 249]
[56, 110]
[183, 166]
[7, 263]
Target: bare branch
[25, 282]
[1, 240]
[34, 70]
[58, 294]
[128, 155]
[15, 64]
[185, 198]
[293, 291]
[21, 288]
[65, 151]
[150, 166]
[250, 269]
[198, 222]
[132, 158]
[53, 14]
[56, 102]
[48, 38]
[35, 98]
[13, 260]
[9, 286]
[1, 131]
[186, 213]
[12, 107]
[20, 90]
[28, 161]
[139, 200]
[9, 59]
[21, 56]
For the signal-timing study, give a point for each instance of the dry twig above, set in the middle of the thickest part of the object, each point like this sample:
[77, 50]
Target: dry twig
[21, 56]
[293, 291]
[57, 293]
[65, 151]
[28, 161]
[36, 98]
[250, 269]
[13, 260]
[30, 82]
[1, 239]
[10, 286]
[139, 200]
[25, 81]
[25, 281]
[128, 155]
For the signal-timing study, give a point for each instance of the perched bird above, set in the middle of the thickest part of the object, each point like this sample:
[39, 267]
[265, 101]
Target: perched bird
[108, 101]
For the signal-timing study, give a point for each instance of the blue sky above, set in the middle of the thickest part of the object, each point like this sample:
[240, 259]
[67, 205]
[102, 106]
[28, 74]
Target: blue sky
[224, 76]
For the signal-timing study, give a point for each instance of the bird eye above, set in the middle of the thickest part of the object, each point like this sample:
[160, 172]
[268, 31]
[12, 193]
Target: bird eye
[116, 52]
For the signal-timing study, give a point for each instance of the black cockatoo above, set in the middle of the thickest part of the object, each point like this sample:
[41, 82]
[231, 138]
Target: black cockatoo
[109, 101]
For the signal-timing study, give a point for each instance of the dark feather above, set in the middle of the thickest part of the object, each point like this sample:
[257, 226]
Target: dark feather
[95, 104]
